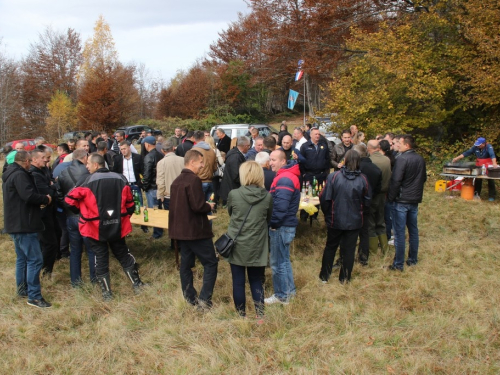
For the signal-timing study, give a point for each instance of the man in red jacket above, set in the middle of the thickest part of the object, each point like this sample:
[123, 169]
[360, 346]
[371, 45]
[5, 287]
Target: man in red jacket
[189, 225]
[105, 203]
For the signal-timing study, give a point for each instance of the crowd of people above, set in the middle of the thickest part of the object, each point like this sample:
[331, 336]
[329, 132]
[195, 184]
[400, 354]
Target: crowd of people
[84, 199]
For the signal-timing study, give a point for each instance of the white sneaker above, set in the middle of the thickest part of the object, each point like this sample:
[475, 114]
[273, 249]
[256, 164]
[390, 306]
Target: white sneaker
[391, 242]
[273, 299]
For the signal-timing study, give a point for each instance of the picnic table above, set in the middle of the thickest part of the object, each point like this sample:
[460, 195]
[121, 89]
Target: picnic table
[159, 219]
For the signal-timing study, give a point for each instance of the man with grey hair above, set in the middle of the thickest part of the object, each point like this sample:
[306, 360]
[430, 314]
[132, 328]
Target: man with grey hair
[167, 170]
[263, 159]
[234, 158]
[39, 141]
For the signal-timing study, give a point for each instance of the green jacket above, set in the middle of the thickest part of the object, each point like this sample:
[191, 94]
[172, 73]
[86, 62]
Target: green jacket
[384, 164]
[252, 245]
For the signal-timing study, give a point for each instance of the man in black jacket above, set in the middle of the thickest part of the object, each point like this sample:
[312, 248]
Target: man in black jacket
[131, 166]
[186, 145]
[149, 177]
[48, 239]
[314, 163]
[406, 189]
[224, 142]
[22, 220]
[67, 180]
[234, 158]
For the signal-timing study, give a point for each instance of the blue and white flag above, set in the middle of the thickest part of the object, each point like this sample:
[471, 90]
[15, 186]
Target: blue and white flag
[292, 98]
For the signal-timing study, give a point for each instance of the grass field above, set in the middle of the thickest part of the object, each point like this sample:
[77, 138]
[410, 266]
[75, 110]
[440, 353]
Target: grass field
[440, 317]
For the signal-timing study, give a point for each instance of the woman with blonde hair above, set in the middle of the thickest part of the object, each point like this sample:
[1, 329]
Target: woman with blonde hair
[251, 250]
[220, 162]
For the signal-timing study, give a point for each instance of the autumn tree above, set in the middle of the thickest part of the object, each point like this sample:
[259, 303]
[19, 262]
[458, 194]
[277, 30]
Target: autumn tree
[11, 120]
[107, 95]
[50, 66]
[62, 115]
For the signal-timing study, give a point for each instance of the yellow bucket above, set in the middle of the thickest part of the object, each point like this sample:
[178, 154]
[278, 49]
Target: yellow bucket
[440, 186]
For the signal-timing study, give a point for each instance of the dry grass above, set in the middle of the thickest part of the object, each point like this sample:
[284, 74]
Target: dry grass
[440, 317]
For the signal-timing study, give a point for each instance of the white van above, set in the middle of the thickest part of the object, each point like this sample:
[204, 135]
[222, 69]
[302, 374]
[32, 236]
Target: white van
[237, 130]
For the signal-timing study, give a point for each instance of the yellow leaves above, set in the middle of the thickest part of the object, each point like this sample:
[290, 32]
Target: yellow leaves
[62, 115]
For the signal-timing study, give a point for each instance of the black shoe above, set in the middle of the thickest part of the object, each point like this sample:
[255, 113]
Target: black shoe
[392, 268]
[145, 229]
[410, 263]
[40, 303]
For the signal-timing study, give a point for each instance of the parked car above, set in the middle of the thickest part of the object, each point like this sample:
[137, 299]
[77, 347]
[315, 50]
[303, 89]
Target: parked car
[237, 130]
[133, 132]
[77, 134]
[29, 144]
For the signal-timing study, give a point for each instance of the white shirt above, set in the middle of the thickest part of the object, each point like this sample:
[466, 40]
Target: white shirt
[299, 144]
[128, 169]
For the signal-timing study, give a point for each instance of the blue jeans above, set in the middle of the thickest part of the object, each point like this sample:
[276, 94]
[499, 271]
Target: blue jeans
[153, 201]
[208, 189]
[29, 263]
[283, 284]
[76, 242]
[405, 215]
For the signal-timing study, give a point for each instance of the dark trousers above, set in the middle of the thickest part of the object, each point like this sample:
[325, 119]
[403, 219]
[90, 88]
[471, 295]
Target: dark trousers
[478, 186]
[119, 249]
[49, 242]
[256, 278]
[204, 250]
[347, 240]
[363, 248]
[62, 234]
[376, 219]
[216, 185]
[388, 219]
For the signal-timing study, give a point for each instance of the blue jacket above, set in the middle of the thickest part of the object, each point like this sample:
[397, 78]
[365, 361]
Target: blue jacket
[345, 196]
[315, 160]
[485, 153]
[285, 191]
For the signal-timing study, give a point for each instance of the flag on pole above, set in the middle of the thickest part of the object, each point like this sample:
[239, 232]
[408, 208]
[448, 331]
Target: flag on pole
[292, 98]
[300, 72]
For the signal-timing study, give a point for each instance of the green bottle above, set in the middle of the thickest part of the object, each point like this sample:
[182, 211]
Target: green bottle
[146, 215]
[137, 203]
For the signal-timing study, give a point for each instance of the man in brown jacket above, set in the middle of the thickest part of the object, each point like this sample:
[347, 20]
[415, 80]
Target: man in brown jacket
[189, 225]
[210, 164]
[167, 170]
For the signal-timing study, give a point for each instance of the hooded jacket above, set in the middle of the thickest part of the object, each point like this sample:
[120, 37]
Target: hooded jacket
[344, 198]
[105, 203]
[187, 217]
[252, 245]
[21, 201]
[285, 191]
[210, 163]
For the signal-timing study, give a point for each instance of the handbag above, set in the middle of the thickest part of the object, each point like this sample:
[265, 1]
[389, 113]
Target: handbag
[219, 172]
[225, 244]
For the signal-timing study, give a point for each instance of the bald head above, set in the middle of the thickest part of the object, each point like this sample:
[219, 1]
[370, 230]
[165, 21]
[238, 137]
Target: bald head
[286, 142]
[277, 160]
[372, 146]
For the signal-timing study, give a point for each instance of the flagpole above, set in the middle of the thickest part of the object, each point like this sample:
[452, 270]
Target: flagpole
[304, 100]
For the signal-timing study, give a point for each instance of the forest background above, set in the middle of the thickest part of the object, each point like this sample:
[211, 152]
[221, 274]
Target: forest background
[426, 67]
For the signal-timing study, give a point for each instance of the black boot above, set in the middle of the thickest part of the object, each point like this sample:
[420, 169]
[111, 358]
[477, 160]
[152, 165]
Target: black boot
[133, 275]
[105, 283]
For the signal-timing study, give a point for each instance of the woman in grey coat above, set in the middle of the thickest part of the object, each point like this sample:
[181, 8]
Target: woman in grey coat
[251, 250]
